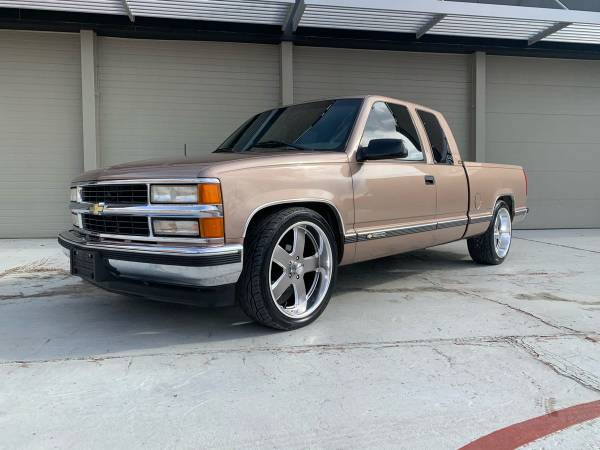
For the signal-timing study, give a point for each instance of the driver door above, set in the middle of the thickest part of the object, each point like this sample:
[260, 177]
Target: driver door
[394, 199]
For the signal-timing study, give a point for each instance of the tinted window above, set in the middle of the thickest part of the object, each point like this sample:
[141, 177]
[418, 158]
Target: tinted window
[437, 138]
[323, 125]
[387, 120]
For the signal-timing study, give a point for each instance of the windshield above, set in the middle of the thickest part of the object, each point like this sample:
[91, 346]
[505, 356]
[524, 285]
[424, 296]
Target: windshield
[323, 125]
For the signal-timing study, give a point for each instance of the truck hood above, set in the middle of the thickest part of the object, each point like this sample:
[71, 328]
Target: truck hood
[208, 165]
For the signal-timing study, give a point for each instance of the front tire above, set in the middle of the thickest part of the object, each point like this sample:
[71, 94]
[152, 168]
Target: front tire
[492, 247]
[290, 267]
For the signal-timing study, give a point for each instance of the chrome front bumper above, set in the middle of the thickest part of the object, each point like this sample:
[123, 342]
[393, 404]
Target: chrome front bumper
[189, 266]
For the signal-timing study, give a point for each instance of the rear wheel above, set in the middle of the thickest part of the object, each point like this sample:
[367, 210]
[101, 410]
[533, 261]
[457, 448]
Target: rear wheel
[492, 247]
[289, 270]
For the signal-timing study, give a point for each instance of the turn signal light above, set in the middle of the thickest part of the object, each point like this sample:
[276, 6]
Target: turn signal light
[209, 194]
[212, 227]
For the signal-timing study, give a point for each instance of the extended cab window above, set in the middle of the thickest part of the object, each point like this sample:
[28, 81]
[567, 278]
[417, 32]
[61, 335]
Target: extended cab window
[323, 125]
[390, 121]
[437, 138]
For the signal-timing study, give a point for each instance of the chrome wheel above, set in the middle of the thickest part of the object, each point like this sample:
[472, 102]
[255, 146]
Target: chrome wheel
[300, 270]
[502, 232]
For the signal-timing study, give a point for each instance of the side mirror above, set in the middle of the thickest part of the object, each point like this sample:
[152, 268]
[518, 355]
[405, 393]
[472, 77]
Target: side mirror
[382, 149]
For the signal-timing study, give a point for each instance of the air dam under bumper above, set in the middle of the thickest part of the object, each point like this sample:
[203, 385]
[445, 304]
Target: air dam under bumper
[159, 267]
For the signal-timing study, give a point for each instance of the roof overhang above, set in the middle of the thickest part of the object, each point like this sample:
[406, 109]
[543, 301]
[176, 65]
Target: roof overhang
[421, 24]
[435, 17]
[264, 12]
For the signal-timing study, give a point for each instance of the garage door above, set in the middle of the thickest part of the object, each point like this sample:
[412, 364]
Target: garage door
[544, 114]
[440, 81]
[158, 98]
[40, 130]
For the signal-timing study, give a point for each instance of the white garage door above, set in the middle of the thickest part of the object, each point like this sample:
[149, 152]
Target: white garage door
[40, 130]
[544, 114]
[440, 81]
[157, 97]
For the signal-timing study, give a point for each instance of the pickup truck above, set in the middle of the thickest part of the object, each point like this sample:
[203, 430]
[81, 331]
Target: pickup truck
[266, 219]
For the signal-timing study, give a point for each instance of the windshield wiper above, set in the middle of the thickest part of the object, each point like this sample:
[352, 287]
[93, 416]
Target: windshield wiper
[275, 144]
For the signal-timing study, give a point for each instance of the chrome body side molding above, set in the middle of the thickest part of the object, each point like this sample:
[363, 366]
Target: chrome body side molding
[404, 230]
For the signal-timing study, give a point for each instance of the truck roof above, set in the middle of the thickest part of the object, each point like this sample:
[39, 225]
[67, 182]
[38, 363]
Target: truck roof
[368, 96]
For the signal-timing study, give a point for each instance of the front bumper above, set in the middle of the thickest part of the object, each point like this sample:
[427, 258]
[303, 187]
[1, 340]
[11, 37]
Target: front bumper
[166, 264]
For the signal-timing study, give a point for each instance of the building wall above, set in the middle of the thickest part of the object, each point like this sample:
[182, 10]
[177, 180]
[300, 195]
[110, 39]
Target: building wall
[544, 114]
[40, 130]
[155, 97]
[440, 81]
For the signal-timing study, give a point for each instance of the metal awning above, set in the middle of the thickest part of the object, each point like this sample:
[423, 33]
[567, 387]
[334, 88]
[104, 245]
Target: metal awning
[418, 17]
[267, 12]
[454, 19]
[272, 12]
[84, 6]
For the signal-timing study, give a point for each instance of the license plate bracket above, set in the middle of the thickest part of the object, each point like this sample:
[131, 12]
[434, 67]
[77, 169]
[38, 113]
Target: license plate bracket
[88, 265]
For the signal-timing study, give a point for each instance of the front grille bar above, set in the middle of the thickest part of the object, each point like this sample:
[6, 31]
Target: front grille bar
[116, 194]
[123, 225]
[125, 212]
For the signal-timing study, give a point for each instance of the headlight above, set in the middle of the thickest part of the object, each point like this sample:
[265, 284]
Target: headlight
[174, 194]
[73, 194]
[176, 227]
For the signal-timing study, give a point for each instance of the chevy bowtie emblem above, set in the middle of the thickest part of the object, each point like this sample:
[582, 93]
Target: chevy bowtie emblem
[96, 208]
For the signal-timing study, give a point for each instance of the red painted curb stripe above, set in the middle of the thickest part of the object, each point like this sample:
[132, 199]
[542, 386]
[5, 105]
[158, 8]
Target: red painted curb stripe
[528, 431]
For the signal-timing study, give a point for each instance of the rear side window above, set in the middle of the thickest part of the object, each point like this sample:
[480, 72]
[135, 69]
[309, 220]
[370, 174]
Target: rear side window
[437, 138]
[387, 120]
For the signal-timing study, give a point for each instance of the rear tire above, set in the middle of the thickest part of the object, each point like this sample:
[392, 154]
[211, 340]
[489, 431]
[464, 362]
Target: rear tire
[492, 247]
[290, 267]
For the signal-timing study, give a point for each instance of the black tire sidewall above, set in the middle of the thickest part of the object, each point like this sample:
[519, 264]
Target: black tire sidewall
[303, 215]
[490, 234]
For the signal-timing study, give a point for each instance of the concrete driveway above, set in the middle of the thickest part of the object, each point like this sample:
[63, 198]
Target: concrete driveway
[426, 350]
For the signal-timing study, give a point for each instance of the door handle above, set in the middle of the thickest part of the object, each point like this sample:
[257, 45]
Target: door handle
[429, 179]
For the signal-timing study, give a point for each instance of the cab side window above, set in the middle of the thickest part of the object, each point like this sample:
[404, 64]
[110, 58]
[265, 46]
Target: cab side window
[437, 138]
[390, 121]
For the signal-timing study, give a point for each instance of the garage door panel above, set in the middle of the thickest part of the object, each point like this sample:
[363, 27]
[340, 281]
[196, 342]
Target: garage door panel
[545, 100]
[543, 71]
[157, 97]
[528, 128]
[40, 130]
[555, 213]
[561, 185]
[572, 157]
[440, 81]
[544, 114]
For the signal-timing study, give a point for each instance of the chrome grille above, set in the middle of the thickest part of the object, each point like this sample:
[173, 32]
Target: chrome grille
[121, 225]
[115, 194]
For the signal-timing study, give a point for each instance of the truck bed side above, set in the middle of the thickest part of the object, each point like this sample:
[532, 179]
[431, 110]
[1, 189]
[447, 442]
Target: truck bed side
[487, 184]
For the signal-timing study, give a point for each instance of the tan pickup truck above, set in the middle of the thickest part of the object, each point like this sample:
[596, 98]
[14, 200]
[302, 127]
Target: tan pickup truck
[266, 219]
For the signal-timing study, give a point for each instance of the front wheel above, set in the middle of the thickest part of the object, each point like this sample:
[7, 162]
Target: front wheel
[290, 265]
[492, 247]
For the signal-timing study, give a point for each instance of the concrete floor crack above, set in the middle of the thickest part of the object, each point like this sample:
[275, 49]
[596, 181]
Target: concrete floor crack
[301, 349]
[561, 367]
[514, 308]
[557, 245]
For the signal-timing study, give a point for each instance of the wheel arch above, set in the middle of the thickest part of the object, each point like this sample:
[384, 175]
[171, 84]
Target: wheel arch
[509, 199]
[327, 209]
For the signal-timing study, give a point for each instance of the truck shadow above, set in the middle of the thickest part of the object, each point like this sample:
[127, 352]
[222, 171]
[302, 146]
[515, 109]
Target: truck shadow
[373, 273]
[81, 321]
